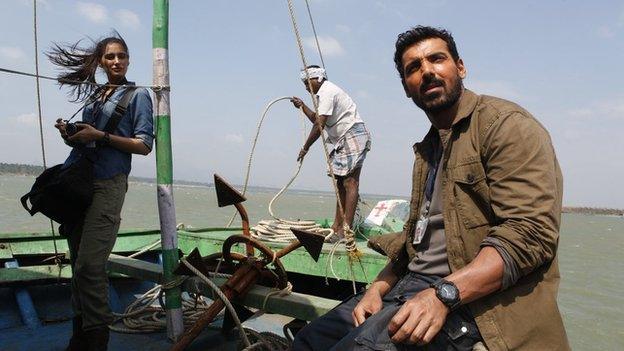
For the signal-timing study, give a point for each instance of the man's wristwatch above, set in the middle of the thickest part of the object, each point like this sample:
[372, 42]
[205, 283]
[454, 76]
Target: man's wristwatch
[447, 292]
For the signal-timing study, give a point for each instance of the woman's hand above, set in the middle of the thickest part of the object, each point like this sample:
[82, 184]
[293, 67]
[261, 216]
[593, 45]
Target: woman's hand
[60, 125]
[86, 133]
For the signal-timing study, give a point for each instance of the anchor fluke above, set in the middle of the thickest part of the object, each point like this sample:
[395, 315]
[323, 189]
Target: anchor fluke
[195, 259]
[226, 194]
[312, 242]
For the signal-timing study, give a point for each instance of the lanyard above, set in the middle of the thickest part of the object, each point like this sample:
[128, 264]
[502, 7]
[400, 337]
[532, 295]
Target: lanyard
[423, 220]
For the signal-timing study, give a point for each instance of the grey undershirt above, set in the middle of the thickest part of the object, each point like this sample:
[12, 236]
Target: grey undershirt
[431, 257]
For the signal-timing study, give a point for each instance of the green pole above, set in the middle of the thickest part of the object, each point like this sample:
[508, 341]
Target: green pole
[164, 167]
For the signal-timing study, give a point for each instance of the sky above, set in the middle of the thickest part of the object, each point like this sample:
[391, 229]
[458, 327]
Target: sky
[561, 60]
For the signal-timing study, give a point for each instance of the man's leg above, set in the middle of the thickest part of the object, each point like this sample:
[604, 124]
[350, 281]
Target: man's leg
[459, 332]
[351, 184]
[337, 226]
[324, 332]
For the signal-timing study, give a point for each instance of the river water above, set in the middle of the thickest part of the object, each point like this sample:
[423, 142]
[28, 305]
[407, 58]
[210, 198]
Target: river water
[591, 295]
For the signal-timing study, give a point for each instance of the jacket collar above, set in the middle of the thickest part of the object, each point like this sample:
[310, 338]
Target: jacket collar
[467, 104]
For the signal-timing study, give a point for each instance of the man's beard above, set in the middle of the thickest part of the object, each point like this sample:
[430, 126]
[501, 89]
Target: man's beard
[440, 102]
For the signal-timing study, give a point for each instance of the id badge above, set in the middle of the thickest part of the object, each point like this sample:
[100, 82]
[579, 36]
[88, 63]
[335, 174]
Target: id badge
[419, 232]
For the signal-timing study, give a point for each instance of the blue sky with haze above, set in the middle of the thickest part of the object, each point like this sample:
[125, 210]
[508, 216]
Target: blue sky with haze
[561, 60]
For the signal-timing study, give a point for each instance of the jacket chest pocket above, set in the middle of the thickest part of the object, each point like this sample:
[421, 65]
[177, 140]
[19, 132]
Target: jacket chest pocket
[472, 194]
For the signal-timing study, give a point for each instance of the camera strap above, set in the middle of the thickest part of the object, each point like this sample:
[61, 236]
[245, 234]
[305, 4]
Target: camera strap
[120, 109]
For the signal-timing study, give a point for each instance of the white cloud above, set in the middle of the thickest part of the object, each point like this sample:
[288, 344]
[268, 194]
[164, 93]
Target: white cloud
[95, 13]
[343, 28]
[128, 18]
[234, 138]
[27, 119]
[612, 109]
[605, 32]
[11, 53]
[330, 46]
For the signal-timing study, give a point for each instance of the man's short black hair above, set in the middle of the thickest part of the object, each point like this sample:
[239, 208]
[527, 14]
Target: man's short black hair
[418, 34]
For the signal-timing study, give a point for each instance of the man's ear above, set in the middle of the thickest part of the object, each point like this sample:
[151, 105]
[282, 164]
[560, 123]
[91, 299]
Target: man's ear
[461, 68]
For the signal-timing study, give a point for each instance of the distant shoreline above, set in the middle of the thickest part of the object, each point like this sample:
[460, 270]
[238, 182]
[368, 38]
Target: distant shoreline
[32, 170]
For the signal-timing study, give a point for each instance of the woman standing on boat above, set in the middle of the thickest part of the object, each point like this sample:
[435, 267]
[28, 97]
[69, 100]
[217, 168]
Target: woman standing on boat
[339, 118]
[92, 240]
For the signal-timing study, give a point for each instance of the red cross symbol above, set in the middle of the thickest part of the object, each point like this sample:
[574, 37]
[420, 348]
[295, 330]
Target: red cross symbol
[380, 208]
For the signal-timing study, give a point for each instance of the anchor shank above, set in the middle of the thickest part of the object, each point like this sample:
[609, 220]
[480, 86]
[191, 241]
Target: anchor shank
[245, 219]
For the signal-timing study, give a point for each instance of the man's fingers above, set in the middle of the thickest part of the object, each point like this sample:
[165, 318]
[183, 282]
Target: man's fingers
[358, 316]
[397, 321]
[421, 328]
[431, 332]
[405, 329]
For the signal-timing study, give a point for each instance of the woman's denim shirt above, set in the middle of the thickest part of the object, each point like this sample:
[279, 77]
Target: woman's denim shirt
[137, 122]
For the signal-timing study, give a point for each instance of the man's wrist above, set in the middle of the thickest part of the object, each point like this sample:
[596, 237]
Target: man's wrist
[380, 287]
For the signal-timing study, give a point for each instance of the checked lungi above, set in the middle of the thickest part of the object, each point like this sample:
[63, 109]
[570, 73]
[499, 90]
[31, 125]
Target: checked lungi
[350, 151]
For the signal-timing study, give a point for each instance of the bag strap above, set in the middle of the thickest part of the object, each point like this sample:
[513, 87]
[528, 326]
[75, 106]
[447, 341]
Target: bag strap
[120, 109]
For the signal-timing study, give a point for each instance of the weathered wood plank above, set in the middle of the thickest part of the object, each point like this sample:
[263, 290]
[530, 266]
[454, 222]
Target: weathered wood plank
[30, 275]
[135, 268]
[296, 305]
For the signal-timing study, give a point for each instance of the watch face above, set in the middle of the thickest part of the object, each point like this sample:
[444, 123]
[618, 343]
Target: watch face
[448, 292]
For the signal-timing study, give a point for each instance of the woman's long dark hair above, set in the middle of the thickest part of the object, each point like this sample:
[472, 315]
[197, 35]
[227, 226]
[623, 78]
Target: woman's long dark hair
[79, 64]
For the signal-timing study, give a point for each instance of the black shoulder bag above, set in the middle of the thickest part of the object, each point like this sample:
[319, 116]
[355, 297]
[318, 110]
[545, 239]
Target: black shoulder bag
[64, 194]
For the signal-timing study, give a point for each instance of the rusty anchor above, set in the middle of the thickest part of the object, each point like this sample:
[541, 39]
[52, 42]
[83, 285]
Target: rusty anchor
[249, 268]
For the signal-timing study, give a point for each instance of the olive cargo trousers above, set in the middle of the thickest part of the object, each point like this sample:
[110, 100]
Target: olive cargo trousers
[90, 244]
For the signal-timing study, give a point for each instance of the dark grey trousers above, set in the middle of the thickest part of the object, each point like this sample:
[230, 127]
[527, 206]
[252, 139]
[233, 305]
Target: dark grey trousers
[336, 331]
[90, 244]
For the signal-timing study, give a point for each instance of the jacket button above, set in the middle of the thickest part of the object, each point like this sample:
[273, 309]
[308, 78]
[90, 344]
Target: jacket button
[470, 178]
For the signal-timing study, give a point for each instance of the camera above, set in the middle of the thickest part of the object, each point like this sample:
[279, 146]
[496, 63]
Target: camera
[71, 128]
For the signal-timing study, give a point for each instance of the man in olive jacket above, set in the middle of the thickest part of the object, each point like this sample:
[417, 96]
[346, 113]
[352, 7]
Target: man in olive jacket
[475, 266]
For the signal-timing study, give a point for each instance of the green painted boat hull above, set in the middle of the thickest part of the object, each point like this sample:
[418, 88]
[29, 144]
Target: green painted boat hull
[208, 240]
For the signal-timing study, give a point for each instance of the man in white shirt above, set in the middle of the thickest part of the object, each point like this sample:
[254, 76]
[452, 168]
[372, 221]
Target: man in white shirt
[339, 118]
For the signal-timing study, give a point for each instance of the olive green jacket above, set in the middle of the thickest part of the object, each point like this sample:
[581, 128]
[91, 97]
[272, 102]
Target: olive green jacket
[501, 179]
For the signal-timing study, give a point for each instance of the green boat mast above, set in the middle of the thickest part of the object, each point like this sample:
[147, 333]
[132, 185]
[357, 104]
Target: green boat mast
[164, 167]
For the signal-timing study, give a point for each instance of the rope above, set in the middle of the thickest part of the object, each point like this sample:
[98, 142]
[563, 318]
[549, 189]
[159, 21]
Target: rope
[279, 230]
[223, 298]
[318, 46]
[253, 148]
[57, 259]
[266, 341]
[62, 80]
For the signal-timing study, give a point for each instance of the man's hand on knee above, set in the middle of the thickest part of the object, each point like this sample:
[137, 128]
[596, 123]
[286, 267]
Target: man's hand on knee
[419, 320]
[369, 305]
